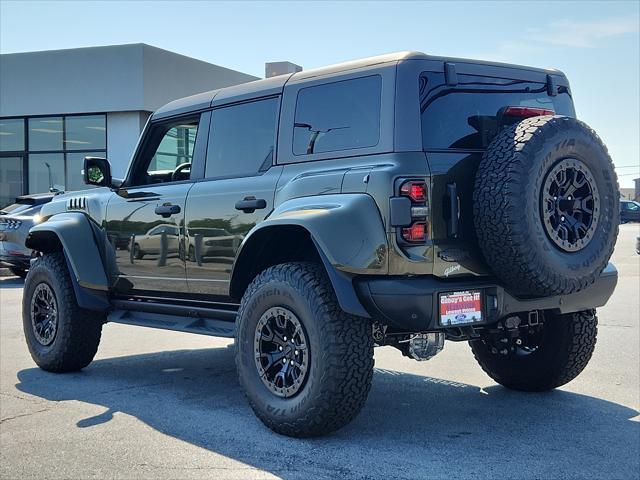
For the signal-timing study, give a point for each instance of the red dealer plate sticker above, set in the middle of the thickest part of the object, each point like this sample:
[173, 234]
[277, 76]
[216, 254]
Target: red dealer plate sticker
[459, 308]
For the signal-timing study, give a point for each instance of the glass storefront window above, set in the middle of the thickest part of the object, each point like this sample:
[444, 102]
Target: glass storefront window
[46, 170]
[11, 134]
[45, 133]
[85, 132]
[10, 180]
[54, 148]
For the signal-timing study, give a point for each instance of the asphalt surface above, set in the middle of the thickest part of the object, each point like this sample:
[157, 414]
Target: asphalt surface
[158, 404]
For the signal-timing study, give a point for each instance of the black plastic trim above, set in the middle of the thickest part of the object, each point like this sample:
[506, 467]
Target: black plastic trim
[411, 303]
[198, 325]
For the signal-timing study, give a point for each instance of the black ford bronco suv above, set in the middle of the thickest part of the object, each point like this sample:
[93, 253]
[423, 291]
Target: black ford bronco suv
[398, 200]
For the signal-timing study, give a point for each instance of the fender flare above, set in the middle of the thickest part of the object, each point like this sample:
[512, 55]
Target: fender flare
[74, 234]
[347, 231]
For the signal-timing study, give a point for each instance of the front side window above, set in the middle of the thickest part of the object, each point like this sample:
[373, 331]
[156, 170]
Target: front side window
[242, 139]
[338, 116]
[167, 152]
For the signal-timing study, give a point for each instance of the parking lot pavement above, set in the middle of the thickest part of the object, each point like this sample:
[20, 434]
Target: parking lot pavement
[158, 404]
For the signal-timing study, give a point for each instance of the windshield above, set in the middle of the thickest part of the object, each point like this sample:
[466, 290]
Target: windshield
[465, 116]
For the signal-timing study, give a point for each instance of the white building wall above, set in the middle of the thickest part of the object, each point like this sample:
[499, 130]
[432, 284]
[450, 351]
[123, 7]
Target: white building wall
[123, 130]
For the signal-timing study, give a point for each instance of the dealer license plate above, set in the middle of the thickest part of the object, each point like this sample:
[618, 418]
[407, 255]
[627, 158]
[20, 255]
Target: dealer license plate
[460, 308]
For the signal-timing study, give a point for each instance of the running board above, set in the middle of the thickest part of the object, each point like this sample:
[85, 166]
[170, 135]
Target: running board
[217, 323]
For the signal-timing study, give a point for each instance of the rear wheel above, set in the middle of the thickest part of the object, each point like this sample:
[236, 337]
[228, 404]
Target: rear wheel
[305, 365]
[552, 356]
[61, 336]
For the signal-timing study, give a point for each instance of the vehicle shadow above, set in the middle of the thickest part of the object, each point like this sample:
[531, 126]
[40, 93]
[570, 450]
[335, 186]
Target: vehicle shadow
[412, 426]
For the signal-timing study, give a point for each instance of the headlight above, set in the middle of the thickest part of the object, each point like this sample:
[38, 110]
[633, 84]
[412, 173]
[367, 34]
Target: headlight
[37, 218]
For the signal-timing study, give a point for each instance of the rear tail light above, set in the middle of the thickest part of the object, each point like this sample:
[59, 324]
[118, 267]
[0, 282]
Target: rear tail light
[526, 112]
[416, 191]
[417, 232]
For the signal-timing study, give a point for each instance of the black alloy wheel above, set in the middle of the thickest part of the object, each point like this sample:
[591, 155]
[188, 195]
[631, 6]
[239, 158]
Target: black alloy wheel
[570, 205]
[44, 314]
[281, 351]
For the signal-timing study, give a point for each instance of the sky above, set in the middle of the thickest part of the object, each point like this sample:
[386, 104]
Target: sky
[596, 44]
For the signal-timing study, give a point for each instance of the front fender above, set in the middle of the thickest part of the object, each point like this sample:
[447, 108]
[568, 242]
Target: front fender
[74, 233]
[347, 229]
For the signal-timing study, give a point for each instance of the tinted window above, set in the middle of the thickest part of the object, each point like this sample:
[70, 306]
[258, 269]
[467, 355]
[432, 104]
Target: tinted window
[175, 148]
[167, 146]
[242, 139]
[466, 115]
[338, 116]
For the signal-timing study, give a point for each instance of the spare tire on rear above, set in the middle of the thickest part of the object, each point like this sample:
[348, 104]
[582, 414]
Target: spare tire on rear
[546, 206]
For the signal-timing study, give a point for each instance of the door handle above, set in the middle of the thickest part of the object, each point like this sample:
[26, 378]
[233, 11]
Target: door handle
[251, 204]
[167, 210]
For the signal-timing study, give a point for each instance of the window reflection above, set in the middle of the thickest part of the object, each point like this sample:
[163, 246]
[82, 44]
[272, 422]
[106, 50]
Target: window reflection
[66, 141]
[10, 179]
[12, 134]
[85, 132]
[175, 148]
[45, 133]
[46, 171]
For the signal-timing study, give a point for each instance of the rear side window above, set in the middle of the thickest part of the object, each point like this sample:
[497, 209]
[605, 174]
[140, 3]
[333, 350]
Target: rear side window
[338, 116]
[465, 116]
[242, 139]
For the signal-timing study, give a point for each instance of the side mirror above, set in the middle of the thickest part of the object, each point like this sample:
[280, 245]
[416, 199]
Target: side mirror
[97, 171]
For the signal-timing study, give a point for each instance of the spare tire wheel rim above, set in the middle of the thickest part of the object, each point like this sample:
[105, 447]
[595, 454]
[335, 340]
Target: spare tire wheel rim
[44, 314]
[570, 205]
[281, 352]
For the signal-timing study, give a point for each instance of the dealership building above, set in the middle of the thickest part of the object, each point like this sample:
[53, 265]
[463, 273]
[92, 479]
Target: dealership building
[58, 106]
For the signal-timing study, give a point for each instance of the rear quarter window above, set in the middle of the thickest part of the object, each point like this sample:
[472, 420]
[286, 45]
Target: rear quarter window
[464, 116]
[337, 116]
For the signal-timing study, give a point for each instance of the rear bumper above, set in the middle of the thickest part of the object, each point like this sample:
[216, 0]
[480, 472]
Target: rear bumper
[411, 303]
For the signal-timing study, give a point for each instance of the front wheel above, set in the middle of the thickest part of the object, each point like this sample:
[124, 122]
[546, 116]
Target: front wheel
[305, 365]
[545, 360]
[61, 336]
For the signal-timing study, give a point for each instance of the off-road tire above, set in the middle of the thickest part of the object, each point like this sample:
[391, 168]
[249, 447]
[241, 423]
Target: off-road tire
[341, 352]
[78, 330]
[567, 345]
[18, 272]
[507, 206]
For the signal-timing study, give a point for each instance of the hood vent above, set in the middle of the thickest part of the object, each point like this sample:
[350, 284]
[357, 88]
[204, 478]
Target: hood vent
[77, 203]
